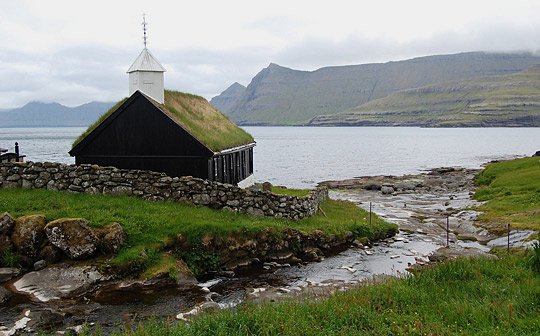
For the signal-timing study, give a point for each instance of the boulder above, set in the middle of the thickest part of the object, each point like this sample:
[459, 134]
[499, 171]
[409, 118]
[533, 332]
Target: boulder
[112, 237]
[8, 273]
[73, 236]
[7, 222]
[28, 234]
[537, 153]
[58, 282]
[386, 190]
[267, 186]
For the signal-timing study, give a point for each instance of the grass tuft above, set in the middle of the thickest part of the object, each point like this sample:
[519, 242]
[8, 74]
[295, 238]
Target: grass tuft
[511, 190]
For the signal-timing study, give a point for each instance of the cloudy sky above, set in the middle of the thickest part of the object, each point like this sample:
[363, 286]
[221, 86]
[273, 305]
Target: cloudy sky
[74, 52]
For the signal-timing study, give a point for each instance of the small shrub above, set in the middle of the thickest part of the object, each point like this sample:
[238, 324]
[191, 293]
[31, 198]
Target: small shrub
[9, 259]
[200, 261]
[534, 260]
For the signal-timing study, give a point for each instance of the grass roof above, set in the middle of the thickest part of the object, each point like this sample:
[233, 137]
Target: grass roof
[197, 116]
[204, 121]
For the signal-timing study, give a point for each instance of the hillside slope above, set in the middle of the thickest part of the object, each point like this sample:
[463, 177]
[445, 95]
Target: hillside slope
[36, 114]
[282, 96]
[510, 100]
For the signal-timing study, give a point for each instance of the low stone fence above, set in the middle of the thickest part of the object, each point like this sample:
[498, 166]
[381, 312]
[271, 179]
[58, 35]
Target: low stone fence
[93, 179]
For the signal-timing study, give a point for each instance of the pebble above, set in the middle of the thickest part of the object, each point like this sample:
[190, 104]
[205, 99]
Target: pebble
[368, 252]
[394, 257]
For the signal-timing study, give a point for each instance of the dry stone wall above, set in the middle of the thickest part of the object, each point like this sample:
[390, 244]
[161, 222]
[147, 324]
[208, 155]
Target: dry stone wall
[93, 179]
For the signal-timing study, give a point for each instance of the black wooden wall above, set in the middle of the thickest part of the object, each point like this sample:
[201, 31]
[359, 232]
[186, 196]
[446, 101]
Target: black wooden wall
[141, 136]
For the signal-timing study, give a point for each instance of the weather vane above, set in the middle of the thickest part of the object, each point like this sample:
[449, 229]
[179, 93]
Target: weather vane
[144, 28]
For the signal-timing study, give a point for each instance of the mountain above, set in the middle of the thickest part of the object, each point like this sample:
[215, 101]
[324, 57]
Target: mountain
[510, 100]
[283, 96]
[228, 98]
[37, 114]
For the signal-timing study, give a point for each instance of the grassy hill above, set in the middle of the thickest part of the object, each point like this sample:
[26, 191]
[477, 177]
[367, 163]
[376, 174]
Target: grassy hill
[509, 100]
[282, 96]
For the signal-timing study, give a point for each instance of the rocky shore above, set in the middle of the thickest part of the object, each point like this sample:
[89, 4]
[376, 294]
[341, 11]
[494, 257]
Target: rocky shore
[267, 267]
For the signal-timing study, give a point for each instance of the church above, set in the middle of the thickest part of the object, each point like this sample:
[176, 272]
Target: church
[167, 131]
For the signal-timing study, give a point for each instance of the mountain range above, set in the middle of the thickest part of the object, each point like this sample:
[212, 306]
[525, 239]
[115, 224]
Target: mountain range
[37, 114]
[496, 101]
[283, 96]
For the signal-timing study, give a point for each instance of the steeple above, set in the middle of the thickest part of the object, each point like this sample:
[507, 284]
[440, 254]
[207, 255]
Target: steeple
[146, 73]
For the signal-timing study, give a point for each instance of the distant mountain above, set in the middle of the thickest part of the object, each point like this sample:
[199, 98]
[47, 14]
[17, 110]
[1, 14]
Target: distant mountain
[228, 98]
[510, 100]
[36, 114]
[282, 96]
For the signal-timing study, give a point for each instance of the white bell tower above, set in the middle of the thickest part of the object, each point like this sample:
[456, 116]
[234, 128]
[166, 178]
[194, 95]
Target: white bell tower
[146, 74]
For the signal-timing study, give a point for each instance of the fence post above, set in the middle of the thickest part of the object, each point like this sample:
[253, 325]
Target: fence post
[447, 231]
[369, 213]
[508, 234]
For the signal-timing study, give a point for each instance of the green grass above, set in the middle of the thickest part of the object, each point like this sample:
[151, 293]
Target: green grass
[152, 225]
[512, 192]
[197, 116]
[461, 297]
[204, 121]
[290, 192]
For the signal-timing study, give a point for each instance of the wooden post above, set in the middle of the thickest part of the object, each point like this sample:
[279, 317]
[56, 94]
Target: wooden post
[369, 213]
[508, 234]
[447, 231]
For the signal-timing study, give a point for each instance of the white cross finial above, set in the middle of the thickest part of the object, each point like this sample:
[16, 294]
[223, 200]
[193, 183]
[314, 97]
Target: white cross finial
[144, 29]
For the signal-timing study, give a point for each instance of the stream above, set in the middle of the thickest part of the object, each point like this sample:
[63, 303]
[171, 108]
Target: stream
[422, 212]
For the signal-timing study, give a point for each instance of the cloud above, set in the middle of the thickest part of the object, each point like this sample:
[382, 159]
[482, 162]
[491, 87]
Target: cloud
[50, 53]
[315, 52]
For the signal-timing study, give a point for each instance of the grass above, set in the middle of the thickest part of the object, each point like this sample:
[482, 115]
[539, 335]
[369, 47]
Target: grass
[152, 225]
[198, 117]
[290, 192]
[473, 297]
[511, 190]
[204, 121]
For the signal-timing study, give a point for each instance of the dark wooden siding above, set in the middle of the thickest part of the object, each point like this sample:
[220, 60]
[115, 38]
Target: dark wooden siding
[231, 167]
[140, 136]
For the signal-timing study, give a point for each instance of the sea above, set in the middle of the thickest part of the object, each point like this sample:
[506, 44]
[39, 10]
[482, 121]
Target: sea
[301, 157]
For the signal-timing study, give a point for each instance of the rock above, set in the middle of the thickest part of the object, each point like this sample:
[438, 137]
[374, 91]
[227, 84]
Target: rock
[51, 254]
[5, 243]
[73, 236]
[39, 265]
[7, 222]
[28, 234]
[537, 153]
[4, 295]
[44, 319]
[446, 253]
[58, 282]
[111, 238]
[122, 191]
[8, 273]
[386, 190]
[255, 212]
[267, 186]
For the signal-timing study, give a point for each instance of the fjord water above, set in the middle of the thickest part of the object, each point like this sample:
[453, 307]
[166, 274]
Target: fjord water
[304, 156]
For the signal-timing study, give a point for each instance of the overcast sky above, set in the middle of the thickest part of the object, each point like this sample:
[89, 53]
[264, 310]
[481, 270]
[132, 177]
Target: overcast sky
[74, 52]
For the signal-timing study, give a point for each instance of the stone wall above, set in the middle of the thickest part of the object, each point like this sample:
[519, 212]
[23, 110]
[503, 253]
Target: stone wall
[93, 179]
